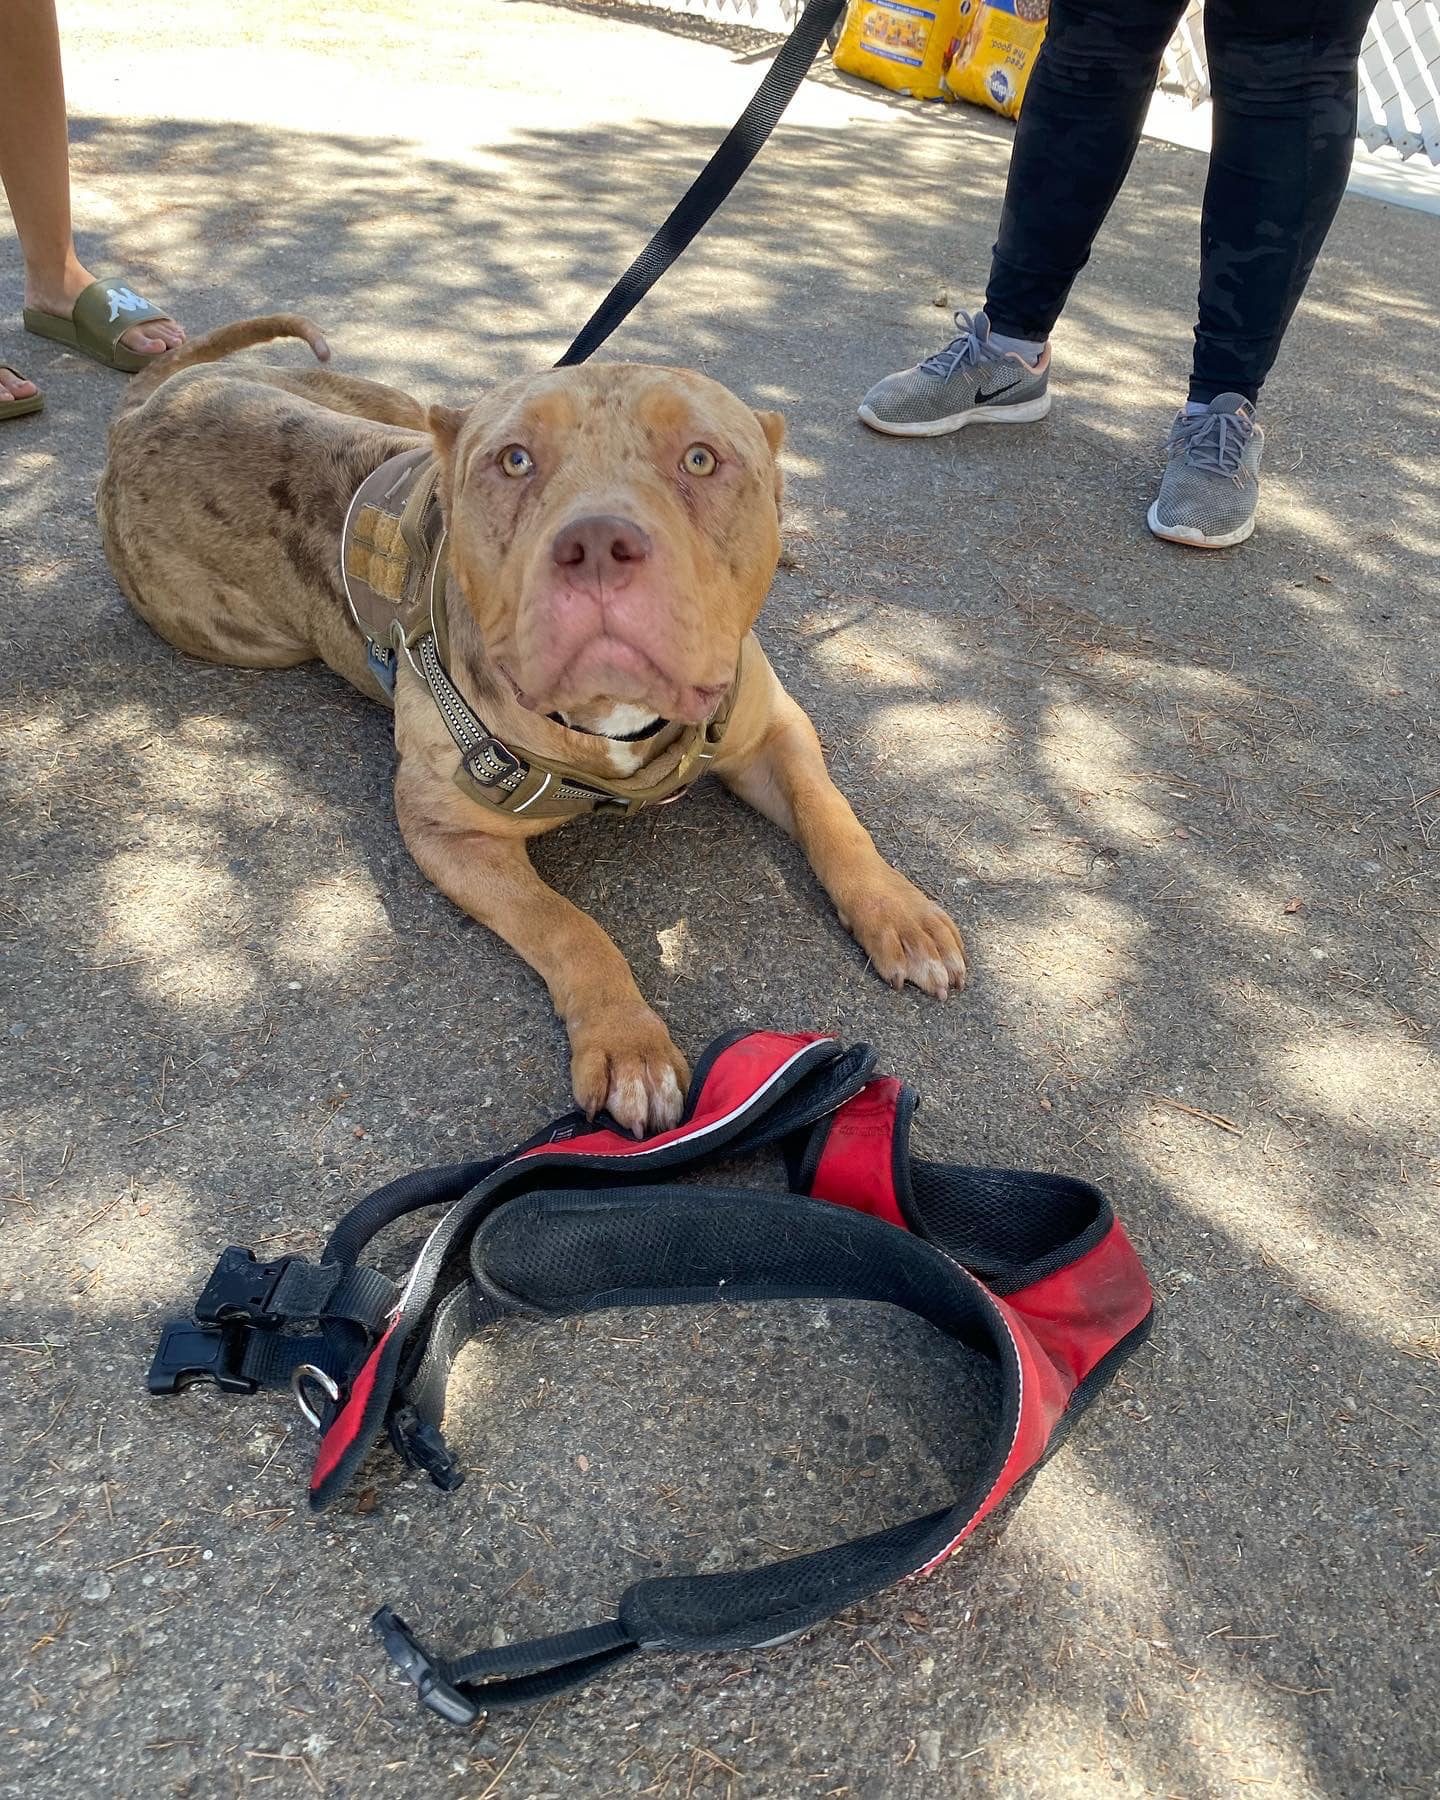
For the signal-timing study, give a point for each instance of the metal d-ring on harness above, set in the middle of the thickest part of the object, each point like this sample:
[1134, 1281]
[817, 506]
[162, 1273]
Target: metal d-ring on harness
[1031, 1271]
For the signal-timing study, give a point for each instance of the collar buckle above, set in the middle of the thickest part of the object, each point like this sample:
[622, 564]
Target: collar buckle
[241, 1290]
[442, 1697]
[189, 1353]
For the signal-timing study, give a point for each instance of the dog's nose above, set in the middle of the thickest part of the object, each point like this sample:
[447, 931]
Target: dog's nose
[600, 549]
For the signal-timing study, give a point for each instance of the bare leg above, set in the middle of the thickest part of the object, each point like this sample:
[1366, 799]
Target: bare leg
[35, 172]
[905, 934]
[622, 1057]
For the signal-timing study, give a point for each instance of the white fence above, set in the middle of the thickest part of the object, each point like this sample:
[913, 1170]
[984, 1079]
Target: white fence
[1399, 74]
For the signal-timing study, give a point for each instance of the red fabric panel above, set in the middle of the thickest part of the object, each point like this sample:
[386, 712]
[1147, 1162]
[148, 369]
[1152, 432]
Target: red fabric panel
[736, 1077]
[1044, 1394]
[1081, 1312]
[857, 1165]
[1061, 1327]
[346, 1423]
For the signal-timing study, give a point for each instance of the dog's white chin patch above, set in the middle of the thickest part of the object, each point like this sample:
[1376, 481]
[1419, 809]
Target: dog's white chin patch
[623, 720]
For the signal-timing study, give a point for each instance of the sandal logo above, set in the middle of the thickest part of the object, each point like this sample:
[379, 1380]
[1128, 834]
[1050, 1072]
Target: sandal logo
[123, 299]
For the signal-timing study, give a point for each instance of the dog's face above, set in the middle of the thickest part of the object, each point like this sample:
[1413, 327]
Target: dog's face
[614, 531]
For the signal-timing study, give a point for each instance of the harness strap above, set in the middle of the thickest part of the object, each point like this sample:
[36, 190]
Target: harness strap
[1032, 1271]
[556, 1253]
[1011, 1227]
[736, 1095]
[1049, 1247]
[514, 1675]
[708, 192]
[421, 1385]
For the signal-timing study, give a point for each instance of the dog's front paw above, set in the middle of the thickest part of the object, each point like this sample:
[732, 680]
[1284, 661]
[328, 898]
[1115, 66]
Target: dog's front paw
[627, 1063]
[907, 936]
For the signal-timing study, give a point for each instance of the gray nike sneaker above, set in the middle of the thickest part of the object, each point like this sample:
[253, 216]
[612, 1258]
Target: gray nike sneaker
[1212, 479]
[968, 382]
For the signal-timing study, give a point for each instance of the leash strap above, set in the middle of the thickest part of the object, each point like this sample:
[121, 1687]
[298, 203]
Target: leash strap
[712, 186]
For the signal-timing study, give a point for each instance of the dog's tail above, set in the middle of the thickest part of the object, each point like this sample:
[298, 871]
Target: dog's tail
[243, 335]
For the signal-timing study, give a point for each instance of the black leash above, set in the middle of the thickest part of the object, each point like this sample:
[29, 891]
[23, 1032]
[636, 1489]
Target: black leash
[712, 186]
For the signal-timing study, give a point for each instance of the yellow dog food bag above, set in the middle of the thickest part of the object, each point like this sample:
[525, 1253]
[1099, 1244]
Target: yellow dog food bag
[899, 46]
[998, 43]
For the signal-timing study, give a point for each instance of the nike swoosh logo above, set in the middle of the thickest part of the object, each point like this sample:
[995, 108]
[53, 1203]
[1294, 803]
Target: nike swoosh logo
[984, 399]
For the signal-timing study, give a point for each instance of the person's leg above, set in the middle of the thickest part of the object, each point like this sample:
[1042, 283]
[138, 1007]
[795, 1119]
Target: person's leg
[1284, 82]
[1285, 88]
[1079, 126]
[35, 171]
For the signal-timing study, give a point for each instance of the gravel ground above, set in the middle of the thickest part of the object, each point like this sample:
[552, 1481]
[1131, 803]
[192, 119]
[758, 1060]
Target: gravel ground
[1185, 807]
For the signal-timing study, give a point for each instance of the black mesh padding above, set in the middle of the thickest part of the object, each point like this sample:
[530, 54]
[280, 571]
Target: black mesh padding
[567, 1252]
[575, 1251]
[1009, 1226]
[754, 1606]
[537, 1655]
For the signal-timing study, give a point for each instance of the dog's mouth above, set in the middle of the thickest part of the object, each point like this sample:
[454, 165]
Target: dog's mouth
[621, 721]
[616, 724]
[618, 711]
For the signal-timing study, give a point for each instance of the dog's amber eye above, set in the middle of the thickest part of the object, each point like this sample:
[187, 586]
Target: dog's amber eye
[699, 459]
[516, 460]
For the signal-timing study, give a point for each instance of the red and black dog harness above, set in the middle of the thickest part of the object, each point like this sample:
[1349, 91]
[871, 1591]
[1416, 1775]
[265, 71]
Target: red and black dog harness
[1031, 1270]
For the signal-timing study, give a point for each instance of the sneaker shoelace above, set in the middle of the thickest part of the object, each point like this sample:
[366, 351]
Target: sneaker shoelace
[1214, 442]
[964, 351]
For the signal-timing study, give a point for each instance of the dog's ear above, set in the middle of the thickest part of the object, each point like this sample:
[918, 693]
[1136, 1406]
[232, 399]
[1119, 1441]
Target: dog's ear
[444, 423]
[773, 425]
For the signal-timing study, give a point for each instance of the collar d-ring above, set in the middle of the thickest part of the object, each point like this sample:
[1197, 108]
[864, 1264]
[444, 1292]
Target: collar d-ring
[303, 1375]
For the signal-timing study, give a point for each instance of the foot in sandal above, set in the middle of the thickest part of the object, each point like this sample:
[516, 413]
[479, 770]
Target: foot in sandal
[106, 319]
[18, 394]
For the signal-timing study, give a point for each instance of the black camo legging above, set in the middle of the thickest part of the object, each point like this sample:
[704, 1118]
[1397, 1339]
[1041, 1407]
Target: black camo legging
[1283, 77]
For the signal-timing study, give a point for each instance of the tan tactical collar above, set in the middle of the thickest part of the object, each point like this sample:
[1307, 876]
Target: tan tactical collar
[395, 572]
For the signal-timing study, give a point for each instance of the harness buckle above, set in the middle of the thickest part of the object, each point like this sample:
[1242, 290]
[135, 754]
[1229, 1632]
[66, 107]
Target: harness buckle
[491, 764]
[442, 1697]
[422, 1446]
[382, 664]
[240, 1290]
[190, 1352]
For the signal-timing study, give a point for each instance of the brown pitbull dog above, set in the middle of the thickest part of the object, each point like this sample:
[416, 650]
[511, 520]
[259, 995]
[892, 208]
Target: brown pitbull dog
[607, 536]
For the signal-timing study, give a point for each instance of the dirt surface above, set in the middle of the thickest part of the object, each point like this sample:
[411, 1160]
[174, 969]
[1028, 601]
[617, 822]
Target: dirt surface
[1185, 807]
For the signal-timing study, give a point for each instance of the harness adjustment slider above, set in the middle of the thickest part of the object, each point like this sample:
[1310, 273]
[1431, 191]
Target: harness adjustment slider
[491, 764]
[442, 1697]
[241, 1289]
[422, 1446]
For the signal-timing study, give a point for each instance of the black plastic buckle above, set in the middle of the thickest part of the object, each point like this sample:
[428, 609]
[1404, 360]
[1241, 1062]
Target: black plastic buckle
[189, 1353]
[422, 1446]
[240, 1290]
[491, 764]
[442, 1697]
